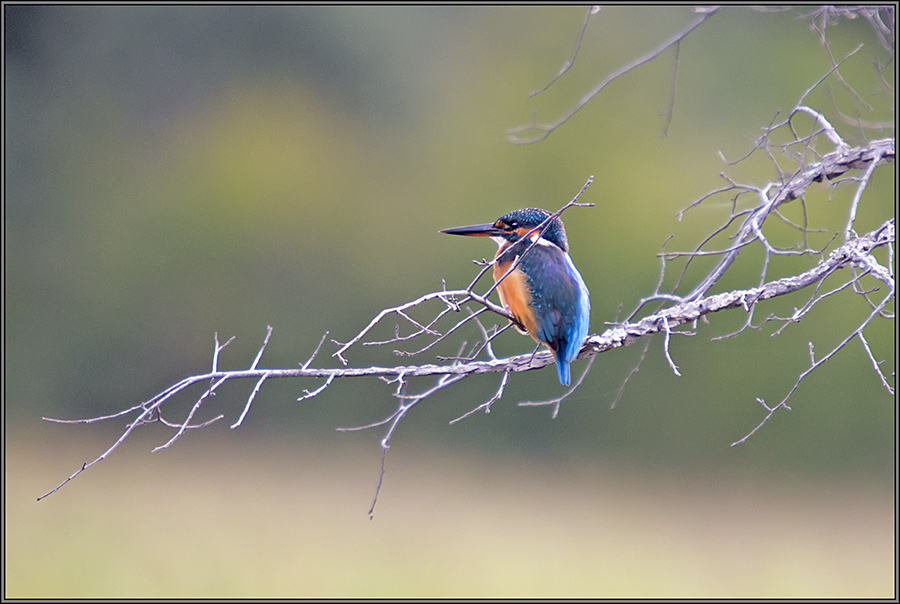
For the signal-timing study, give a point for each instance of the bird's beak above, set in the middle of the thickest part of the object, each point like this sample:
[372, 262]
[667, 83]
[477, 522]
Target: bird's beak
[476, 230]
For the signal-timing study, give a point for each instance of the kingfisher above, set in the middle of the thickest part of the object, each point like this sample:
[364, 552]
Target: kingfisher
[545, 292]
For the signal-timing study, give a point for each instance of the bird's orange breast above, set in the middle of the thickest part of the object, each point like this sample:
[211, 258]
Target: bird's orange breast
[515, 294]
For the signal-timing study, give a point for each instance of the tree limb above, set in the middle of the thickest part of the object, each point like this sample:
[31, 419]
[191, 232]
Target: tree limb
[857, 251]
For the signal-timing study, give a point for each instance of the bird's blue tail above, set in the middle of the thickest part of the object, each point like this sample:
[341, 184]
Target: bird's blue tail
[563, 369]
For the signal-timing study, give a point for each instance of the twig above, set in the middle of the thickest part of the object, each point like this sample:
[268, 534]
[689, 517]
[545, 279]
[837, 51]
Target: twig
[487, 404]
[631, 373]
[672, 364]
[558, 400]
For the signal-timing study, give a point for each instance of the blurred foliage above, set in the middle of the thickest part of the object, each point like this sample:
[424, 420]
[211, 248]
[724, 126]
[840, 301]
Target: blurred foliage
[173, 172]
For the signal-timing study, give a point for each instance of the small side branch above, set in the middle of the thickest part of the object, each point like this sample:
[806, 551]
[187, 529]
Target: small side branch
[556, 402]
[592, 10]
[486, 406]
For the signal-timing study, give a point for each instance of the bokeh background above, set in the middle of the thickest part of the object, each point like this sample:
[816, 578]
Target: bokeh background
[175, 172]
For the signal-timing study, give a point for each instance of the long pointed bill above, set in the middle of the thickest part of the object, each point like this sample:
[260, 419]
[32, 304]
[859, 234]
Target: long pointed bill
[476, 230]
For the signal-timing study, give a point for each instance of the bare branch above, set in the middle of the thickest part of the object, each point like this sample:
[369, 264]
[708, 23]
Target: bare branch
[592, 10]
[854, 204]
[487, 404]
[832, 165]
[544, 129]
[631, 373]
[875, 364]
[816, 364]
[856, 251]
[669, 112]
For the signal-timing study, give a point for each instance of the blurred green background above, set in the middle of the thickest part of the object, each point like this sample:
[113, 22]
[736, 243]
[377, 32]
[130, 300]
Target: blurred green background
[173, 172]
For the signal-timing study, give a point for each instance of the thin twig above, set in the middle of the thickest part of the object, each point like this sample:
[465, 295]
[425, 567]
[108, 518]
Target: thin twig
[556, 402]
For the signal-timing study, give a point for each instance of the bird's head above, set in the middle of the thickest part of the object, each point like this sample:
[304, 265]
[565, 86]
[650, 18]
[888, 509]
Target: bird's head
[512, 227]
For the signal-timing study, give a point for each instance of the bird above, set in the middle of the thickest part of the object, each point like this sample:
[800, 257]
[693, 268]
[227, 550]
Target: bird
[544, 293]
